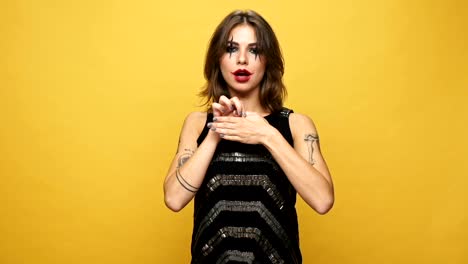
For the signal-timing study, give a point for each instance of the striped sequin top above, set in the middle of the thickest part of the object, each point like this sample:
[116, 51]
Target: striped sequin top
[245, 208]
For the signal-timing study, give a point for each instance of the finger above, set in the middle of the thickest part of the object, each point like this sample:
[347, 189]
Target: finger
[226, 119]
[224, 101]
[223, 130]
[218, 109]
[238, 105]
[223, 125]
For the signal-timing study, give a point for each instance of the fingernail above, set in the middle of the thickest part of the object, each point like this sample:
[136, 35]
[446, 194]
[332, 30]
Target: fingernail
[221, 135]
[209, 125]
[214, 118]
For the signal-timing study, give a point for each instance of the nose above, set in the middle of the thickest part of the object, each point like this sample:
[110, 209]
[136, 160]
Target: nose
[242, 58]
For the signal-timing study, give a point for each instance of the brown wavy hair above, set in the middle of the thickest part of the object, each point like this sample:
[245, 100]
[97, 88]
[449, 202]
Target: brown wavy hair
[272, 89]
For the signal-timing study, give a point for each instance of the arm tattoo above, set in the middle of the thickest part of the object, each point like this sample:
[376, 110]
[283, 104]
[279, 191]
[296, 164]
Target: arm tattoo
[184, 157]
[310, 139]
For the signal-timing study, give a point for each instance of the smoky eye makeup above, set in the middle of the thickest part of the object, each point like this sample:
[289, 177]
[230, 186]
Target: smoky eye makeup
[231, 47]
[254, 50]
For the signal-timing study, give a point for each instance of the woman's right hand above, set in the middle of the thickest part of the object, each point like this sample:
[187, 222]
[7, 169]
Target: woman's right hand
[228, 107]
[225, 107]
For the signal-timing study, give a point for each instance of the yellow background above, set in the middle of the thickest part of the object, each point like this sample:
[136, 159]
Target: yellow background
[93, 94]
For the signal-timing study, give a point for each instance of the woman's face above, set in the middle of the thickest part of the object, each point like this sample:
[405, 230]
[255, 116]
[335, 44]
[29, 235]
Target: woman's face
[241, 65]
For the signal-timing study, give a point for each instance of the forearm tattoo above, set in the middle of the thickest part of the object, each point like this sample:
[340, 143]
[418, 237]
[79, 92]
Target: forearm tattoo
[184, 157]
[310, 139]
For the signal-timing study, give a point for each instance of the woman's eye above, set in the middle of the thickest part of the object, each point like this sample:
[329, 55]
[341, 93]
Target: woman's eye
[254, 51]
[231, 49]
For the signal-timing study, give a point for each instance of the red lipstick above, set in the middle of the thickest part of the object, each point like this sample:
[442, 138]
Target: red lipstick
[242, 75]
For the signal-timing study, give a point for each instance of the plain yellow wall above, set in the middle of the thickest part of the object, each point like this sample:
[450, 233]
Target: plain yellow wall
[93, 94]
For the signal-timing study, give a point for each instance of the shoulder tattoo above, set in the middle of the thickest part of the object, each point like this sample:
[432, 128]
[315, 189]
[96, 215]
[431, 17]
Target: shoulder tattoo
[309, 140]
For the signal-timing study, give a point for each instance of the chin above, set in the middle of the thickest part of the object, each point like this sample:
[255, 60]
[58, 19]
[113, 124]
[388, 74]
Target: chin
[243, 88]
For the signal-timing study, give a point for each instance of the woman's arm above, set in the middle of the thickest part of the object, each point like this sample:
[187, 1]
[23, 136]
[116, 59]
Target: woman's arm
[190, 163]
[303, 165]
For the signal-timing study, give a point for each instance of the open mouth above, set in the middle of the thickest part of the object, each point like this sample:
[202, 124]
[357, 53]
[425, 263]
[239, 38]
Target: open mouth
[242, 75]
[242, 72]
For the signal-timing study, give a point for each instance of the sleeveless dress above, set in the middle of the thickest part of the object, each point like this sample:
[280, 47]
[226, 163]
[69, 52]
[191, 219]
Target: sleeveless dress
[244, 211]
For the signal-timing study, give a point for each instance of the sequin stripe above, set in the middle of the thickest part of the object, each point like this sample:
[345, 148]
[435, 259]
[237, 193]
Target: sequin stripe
[236, 255]
[243, 232]
[247, 180]
[242, 206]
[245, 157]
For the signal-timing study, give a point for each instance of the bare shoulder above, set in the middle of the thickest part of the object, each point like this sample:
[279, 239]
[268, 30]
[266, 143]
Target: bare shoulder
[195, 121]
[196, 117]
[301, 123]
[191, 130]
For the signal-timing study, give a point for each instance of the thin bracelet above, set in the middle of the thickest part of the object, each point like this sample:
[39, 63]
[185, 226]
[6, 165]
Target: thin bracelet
[184, 184]
[185, 181]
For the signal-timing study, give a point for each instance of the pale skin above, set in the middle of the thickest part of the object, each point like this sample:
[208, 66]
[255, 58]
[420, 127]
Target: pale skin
[241, 118]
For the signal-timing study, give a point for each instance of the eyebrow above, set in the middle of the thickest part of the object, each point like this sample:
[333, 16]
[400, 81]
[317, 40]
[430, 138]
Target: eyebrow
[235, 43]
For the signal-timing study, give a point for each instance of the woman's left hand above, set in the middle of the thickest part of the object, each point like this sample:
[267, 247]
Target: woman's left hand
[251, 129]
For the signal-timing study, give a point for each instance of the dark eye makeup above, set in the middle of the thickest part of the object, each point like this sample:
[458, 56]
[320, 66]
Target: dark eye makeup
[230, 47]
[233, 47]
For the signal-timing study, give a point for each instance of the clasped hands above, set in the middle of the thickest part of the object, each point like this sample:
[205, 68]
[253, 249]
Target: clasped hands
[232, 122]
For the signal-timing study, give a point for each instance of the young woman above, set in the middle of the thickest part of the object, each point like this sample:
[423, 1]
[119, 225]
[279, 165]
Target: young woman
[246, 157]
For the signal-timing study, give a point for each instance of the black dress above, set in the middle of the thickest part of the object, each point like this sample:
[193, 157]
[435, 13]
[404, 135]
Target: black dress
[245, 208]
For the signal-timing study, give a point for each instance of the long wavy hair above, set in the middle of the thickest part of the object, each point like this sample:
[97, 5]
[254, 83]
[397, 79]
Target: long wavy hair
[272, 89]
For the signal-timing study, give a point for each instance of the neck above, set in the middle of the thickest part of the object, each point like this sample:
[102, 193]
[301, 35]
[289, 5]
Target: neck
[251, 102]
